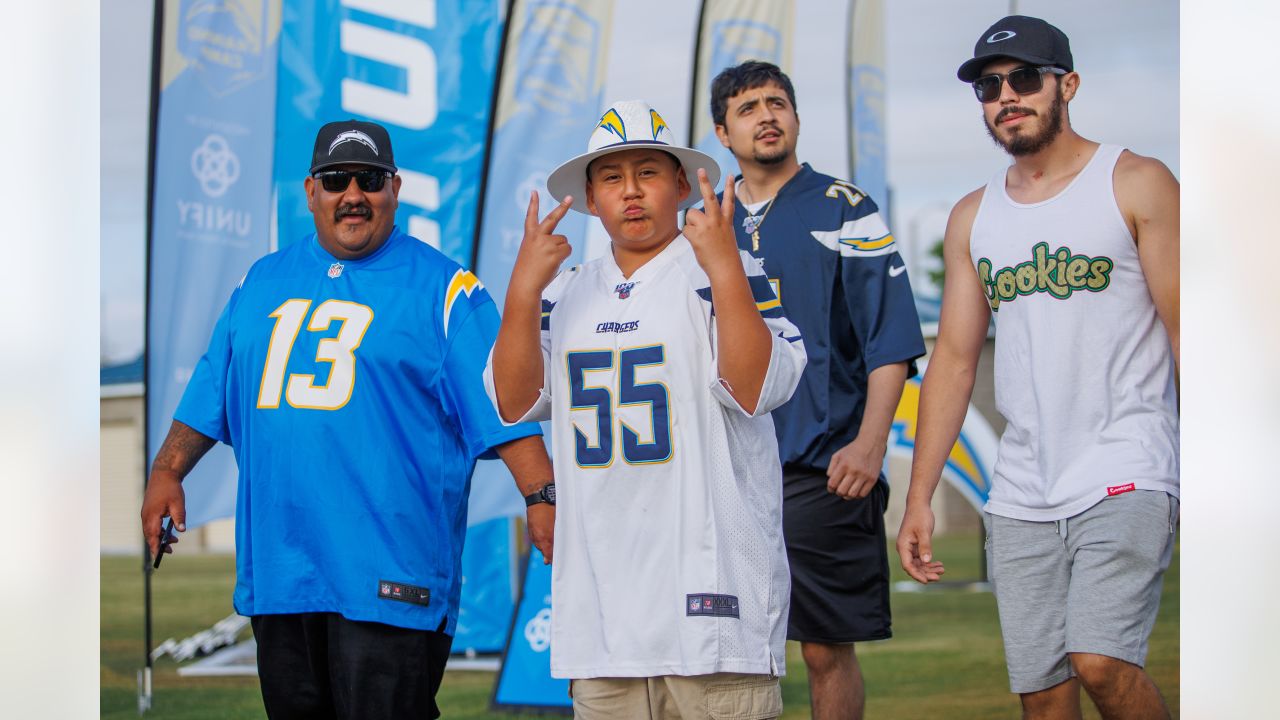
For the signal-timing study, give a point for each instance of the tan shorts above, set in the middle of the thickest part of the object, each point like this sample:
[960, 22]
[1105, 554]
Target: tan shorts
[720, 696]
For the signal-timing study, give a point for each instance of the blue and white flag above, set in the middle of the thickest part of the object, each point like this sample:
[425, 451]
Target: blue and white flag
[423, 70]
[548, 102]
[211, 207]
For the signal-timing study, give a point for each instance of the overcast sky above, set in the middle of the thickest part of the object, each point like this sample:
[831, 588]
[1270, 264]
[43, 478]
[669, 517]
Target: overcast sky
[1125, 51]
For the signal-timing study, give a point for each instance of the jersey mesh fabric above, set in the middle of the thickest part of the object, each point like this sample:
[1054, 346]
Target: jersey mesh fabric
[635, 540]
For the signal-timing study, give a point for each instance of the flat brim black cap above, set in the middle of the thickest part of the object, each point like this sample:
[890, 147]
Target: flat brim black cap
[1021, 38]
[352, 142]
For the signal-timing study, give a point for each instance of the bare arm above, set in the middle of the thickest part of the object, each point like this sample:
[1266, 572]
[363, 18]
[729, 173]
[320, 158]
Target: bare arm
[1148, 196]
[855, 468]
[744, 344]
[530, 465]
[946, 389]
[182, 449]
[517, 353]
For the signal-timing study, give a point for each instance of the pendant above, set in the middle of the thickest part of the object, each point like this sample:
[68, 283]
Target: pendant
[755, 241]
[751, 223]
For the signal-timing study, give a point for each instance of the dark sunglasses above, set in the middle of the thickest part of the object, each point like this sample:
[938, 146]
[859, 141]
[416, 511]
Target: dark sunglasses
[1026, 80]
[336, 181]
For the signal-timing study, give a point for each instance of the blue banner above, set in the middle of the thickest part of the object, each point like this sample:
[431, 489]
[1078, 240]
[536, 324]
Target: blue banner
[732, 32]
[488, 588]
[548, 102]
[525, 681]
[867, 92]
[211, 211]
[424, 70]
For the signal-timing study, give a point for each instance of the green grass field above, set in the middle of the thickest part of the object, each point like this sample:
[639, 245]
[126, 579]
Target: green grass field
[945, 660]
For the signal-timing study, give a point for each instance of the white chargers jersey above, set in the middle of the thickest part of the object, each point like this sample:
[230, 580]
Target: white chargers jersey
[669, 557]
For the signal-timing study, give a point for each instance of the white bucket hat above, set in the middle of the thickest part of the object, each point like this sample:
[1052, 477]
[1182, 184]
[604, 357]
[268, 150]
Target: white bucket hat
[629, 125]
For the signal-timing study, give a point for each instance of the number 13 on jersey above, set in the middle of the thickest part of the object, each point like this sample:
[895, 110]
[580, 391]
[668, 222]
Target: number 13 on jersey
[338, 351]
[583, 395]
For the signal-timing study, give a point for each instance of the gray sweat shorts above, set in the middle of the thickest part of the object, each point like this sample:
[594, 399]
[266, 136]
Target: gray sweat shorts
[1086, 584]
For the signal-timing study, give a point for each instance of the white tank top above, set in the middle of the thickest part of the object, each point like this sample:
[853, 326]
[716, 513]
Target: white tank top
[1084, 372]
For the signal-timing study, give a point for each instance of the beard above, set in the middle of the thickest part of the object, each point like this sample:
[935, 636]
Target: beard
[1020, 144]
[773, 157]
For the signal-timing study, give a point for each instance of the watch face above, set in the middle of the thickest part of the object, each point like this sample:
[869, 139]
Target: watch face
[550, 492]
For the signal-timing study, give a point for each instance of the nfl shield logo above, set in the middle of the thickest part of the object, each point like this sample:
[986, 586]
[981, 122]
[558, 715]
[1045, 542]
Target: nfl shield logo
[335, 270]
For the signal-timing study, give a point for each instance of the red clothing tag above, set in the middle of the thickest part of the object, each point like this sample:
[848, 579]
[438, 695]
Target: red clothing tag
[1119, 489]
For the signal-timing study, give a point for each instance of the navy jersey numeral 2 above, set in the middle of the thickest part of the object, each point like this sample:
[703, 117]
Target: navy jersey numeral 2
[585, 396]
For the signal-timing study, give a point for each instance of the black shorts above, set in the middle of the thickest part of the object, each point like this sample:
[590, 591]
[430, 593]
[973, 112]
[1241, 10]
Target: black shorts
[839, 561]
[323, 666]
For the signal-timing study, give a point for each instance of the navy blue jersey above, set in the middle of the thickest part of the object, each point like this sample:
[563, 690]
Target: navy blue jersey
[836, 269]
[352, 394]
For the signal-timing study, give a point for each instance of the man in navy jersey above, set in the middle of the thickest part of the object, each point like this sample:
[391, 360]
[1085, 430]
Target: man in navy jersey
[346, 374]
[835, 267]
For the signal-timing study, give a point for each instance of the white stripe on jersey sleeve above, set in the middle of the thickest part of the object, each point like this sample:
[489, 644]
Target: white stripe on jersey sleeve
[541, 409]
[865, 237]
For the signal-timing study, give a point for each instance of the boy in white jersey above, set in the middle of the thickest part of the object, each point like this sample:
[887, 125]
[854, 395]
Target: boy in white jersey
[657, 365]
[1073, 250]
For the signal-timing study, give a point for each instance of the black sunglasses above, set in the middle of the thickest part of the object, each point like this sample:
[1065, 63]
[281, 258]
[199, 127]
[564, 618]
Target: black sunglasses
[1026, 80]
[335, 181]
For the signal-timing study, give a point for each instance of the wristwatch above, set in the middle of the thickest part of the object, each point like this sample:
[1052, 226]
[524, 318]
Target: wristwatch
[545, 495]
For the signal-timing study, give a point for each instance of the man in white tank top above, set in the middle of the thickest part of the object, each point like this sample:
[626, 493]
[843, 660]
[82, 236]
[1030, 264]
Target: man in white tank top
[1073, 250]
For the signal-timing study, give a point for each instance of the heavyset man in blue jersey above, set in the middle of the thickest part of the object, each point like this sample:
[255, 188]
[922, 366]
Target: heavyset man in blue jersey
[836, 269]
[346, 373]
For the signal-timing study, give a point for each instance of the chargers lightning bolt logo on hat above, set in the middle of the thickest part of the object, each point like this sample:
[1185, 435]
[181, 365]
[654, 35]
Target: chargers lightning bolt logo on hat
[612, 122]
[353, 136]
[658, 123]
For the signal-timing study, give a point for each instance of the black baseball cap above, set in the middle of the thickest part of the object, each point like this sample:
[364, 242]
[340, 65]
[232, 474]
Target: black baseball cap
[352, 142]
[1021, 38]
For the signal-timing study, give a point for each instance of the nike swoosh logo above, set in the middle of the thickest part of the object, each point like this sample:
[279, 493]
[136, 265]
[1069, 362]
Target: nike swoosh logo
[896, 271]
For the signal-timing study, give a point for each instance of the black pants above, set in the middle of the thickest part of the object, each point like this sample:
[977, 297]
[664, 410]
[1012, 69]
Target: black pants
[316, 666]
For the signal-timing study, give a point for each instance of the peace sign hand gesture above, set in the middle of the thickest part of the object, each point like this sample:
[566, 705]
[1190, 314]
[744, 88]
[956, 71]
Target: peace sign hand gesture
[541, 251]
[710, 230]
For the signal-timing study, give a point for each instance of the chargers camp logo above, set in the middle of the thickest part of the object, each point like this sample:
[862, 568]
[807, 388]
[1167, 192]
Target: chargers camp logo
[225, 41]
[463, 283]
[1059, 274]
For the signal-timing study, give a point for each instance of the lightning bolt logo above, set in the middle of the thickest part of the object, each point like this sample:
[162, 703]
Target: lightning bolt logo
[612, 122]
[658, 123]
[961, 460]
[463, 282]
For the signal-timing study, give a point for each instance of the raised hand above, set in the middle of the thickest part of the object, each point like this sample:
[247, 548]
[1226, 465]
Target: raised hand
[541, 251]
[710, 230]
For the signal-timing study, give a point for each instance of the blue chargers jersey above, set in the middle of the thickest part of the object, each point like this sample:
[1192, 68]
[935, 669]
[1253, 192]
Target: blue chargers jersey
[352, 394]
[835, 267]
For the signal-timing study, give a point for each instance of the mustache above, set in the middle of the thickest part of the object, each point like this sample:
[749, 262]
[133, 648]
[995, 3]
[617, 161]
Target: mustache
[1011, 110]
[768, 127]
[355, 209]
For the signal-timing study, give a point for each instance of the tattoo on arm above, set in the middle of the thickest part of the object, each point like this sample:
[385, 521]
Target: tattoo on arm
[182, 449]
